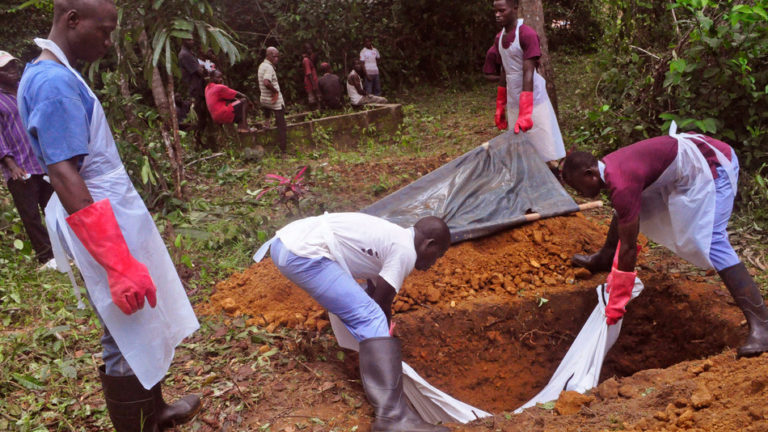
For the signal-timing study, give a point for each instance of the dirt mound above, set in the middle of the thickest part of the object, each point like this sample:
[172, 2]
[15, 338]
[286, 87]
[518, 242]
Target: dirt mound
[527, 262]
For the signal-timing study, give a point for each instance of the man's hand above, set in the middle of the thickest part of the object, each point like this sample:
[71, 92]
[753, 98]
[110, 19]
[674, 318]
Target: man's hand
[275, 96]
[17, 173]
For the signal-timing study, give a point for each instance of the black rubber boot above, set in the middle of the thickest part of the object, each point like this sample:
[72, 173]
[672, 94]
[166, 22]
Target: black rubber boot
[748, 298]
[382, 373]
[177, 413]
[602, 259]
[131, 407]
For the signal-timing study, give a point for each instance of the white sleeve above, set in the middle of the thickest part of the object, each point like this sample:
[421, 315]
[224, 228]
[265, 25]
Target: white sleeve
[399, 263]
[376, 51]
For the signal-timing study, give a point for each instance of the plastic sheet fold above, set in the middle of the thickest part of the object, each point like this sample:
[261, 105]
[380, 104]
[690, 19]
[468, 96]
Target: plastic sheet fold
[483, 191]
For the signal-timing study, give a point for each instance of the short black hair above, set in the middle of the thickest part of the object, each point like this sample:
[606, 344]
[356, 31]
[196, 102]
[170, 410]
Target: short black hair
[576, 163]
[510, 3]
[433, 227]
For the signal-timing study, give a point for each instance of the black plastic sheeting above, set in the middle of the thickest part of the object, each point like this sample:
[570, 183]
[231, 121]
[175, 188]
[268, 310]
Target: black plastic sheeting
[484, 191]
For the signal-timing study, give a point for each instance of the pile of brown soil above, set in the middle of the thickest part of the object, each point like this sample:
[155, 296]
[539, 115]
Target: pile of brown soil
[526, 261]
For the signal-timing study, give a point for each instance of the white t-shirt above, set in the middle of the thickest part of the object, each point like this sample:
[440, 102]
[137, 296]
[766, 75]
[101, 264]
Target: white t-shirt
[354, 96]
[369, 56]
[368, 245]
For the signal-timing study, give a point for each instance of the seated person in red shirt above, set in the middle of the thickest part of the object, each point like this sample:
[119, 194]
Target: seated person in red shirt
[225, 104]
[678, 190]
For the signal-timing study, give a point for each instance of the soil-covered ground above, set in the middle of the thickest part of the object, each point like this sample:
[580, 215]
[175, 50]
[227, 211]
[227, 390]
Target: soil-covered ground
[489, 324]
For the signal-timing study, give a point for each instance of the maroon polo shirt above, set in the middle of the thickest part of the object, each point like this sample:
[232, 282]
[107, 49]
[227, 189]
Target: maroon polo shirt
[629, 170]
[529, 42]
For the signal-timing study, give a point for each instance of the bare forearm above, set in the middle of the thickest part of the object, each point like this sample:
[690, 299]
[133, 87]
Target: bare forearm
[628, 251]
[384, 295]
[499, 79]
[269, 85]
[69, 186]
[529, 66]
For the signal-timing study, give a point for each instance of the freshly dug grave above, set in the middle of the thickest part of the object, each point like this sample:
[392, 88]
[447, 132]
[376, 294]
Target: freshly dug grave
[490, 322]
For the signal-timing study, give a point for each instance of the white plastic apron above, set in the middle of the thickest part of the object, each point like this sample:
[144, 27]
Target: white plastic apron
[678, 209]
[545, 133]
[148, 337]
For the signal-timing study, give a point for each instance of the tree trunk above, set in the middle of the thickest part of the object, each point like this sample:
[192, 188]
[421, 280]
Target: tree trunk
[159, 95]
[162, 96]
[532, 13]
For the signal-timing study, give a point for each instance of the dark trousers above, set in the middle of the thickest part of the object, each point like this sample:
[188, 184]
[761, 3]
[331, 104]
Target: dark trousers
[31, 197]
[282, 139]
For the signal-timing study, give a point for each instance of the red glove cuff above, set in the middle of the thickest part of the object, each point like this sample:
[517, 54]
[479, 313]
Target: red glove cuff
[524, 122]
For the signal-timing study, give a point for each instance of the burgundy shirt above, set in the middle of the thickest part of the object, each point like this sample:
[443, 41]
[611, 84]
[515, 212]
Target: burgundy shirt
[529, 42]
[629, 170]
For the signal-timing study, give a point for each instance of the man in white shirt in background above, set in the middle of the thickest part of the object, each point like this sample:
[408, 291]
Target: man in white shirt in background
[324, 255]
[271, 97]
[369, 56]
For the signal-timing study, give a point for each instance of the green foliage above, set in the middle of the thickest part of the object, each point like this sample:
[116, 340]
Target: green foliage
[573, 24]
[18, 26]
[703, 64]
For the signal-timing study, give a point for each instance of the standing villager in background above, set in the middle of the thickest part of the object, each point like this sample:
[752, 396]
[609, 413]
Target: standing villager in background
[522, 94]
[23, 173]
[310, 76]
[679, 191]
[271, 98]
[99, 219]
[370, 56]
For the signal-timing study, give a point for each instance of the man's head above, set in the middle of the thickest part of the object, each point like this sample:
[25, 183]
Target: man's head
[83, 28]
[368, 43]
[217, 77]
[188, 43]
[9, 70]
[308, 48]
[506, 11]
[431, 239]
[325, 68]
[358, 66]
[581, 173]
[273, 55]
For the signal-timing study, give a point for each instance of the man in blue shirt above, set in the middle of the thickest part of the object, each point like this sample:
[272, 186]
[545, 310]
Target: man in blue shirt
[123, 264]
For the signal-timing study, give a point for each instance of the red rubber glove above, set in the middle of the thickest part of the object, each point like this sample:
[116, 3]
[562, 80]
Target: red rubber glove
[501, 108]
[524, 122]
[129, 280]
[619, 285]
